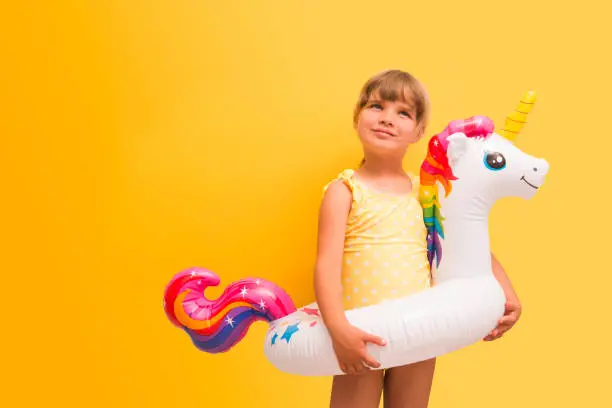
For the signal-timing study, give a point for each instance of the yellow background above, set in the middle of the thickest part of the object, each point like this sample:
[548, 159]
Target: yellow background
[140, 138]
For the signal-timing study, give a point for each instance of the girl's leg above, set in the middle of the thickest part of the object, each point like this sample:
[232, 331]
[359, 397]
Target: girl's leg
[357, 391]
[409, 386]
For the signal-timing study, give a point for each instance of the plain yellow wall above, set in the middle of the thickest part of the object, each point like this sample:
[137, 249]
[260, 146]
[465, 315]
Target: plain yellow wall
[143, 137]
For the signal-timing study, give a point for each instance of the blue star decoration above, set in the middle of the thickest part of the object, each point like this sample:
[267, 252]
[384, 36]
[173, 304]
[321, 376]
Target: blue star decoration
[290, 331]
[274, 338]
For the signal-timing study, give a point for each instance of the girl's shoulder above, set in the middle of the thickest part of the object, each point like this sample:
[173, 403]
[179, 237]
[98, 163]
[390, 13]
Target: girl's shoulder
[415, 179]
[349, 179]
[346, 176]
[346, 179]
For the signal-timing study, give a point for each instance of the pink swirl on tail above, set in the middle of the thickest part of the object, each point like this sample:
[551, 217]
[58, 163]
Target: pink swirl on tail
[217, 325]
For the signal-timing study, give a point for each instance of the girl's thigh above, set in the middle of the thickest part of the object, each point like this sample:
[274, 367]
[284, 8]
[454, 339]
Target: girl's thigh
[357, 391]
[409, 386]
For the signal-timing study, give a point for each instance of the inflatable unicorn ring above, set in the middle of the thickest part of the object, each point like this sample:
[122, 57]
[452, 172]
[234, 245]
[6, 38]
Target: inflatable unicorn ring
[475, 166]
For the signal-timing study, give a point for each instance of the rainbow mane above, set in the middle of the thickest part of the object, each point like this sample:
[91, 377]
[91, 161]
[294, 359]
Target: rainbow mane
[217, 325]
[435, 168]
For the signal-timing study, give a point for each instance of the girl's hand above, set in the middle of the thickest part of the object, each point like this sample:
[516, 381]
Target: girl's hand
[350, 348]
[511, 316]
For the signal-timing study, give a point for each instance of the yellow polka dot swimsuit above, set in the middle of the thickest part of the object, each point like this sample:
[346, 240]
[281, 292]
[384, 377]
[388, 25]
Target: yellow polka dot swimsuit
[385, 249]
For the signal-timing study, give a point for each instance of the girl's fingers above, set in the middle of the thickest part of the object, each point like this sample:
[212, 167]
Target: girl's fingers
[509, 319]
[357, 368]
[369, 361]
[499, 332]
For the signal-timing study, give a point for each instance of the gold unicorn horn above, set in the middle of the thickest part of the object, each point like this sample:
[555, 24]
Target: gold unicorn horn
[517, 119]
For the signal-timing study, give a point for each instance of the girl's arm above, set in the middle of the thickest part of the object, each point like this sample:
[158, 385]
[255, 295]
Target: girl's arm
[349, 342]
[513, 308]
[504, 281]
[333, 216]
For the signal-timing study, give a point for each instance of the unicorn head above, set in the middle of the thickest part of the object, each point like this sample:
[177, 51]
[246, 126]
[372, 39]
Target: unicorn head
[492, 167]
[475, 166]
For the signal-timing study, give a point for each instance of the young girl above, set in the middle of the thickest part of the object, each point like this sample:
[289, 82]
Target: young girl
[372, 245]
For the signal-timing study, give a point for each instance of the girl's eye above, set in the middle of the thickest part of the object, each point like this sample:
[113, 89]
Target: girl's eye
[375, 105]
[406, 114]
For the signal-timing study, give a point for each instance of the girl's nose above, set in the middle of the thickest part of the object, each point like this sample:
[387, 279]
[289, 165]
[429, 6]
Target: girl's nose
[386, 119]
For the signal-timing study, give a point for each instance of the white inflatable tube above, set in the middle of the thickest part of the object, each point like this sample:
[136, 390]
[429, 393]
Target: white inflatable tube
[463, 306]
[428, 324]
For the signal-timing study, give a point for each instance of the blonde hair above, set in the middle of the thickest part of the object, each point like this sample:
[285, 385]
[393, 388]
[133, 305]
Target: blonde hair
[393, 85]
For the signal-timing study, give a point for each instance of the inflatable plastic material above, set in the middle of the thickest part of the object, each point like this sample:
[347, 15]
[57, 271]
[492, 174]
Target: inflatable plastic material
[475, 167]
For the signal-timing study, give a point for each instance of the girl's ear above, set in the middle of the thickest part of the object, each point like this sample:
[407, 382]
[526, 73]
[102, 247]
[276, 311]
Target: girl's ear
[420, 132]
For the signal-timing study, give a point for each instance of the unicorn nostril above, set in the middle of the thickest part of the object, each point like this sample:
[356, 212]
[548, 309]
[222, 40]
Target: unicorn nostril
[535, 169]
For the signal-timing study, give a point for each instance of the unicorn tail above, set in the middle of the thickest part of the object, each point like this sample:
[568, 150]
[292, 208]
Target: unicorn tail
[215, 326]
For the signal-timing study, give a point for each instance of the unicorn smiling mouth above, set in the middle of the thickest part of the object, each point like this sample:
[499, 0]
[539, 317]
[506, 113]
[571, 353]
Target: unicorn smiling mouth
[528, 183]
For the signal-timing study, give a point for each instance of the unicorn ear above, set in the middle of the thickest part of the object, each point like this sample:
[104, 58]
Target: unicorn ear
[457, 146]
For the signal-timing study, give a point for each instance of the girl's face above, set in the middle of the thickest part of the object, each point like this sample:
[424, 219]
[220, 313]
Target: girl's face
[387, 126]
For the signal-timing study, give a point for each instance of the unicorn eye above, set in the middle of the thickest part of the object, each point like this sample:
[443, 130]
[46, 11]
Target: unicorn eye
[494, 160]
